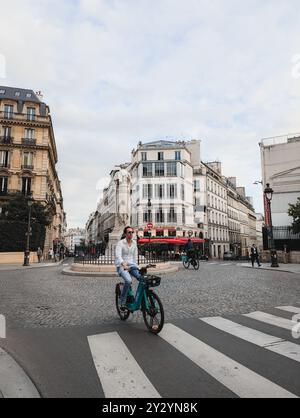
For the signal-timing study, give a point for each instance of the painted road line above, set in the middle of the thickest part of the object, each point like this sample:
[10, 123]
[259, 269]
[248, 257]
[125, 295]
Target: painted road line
[14, 382]
[269, 342]
[272, 320]
[119, 373]
[236, 377]
[292, 309]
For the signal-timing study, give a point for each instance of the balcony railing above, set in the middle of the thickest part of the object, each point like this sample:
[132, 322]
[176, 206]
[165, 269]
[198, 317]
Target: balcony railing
[6, 140]
[4, 165]
[23, 117]
[27, 167]
[28, 141]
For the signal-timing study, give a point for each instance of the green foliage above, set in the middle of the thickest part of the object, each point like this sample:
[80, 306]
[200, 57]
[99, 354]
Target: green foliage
[13, 238]
[294, 212]
[17, 210]
[14, 223]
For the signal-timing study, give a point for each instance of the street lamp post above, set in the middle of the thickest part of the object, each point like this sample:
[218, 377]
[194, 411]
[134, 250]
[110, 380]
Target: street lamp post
[149, 218]
[27, 249]
[269, 194]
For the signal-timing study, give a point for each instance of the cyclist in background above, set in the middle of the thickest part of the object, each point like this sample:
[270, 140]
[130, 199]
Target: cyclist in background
[126, 262]
[189, 249]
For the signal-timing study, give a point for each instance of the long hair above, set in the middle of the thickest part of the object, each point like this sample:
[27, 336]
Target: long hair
[125, 231]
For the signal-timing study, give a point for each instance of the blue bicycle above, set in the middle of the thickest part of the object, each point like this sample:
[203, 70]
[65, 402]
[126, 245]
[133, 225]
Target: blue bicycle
[145, 300]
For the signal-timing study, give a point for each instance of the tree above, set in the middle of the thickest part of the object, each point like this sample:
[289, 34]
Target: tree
[17, 210]
[294, 212]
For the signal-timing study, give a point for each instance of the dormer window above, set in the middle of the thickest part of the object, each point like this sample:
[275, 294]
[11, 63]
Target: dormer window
[17, 94]
[28, 95]
[2, 91]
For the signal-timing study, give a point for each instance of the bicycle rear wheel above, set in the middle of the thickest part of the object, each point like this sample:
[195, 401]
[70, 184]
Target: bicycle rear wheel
[154, 316]
[186, 264]
[122, 314]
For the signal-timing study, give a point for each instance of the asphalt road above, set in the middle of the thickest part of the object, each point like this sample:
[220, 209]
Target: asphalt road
[57, 326]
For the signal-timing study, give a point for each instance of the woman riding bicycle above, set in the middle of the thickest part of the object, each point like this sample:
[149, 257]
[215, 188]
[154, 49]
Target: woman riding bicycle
[126, 262]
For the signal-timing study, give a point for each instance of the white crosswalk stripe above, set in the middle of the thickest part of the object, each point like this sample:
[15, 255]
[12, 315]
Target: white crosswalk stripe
[269, 342]
[272, 320]
[122, 376]
[119, 373]
[239, 379]
[292, 309]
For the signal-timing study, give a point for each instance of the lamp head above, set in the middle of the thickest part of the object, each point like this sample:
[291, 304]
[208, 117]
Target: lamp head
[268, 192]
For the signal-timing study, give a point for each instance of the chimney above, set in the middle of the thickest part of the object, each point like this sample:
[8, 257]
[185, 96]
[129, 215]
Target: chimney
[39, 95]
[232, 180]
[241, 191]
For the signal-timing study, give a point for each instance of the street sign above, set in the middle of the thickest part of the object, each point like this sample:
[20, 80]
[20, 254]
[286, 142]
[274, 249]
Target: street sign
[149, 225]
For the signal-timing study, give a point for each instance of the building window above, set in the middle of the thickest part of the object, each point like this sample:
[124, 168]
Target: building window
[196, 185]
[159, 216]
[2, 91]
[160, 156]
[159, 191]
[3, 185]
[183, 215]
[178, 155]
[29, 133]
[8, 111]
[31, 113]
[159, 169]
[28, 95]
[171, 191]
[27, 159]
[172, 217]
[182, 192]
[6, 132]
[17, 94]
[171, 233]
[4, 159]
[26, 185]
[159, 233]
[147, 191]
[147, 170]
[148, 216]
[144, 156]
[172, 169]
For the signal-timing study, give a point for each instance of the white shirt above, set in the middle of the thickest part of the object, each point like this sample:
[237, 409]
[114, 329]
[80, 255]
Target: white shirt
[126, 254]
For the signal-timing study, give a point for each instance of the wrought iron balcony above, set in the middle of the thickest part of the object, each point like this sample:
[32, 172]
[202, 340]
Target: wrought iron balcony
[23, 117]
[28, 141]
[4, 165]
[6, 140]
[27, 167]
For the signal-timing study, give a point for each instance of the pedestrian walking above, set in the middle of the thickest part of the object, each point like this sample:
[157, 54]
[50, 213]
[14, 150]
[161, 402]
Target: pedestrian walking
[39, 254]
[51, 254]
[255, 255]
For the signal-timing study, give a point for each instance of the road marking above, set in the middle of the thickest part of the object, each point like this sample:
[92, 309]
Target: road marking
[119, 373]
[14, 382]
[269, 342]
[291, 309]
[272, 320]
[238, 378]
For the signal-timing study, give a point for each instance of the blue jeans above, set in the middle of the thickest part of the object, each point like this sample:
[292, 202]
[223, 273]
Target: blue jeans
[126, 276]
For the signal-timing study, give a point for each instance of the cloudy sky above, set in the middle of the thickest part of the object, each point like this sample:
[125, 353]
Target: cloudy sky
[118, 71]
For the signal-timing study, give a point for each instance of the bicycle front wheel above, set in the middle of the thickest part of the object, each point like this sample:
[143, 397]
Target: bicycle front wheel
[196, 264]
[154, 316]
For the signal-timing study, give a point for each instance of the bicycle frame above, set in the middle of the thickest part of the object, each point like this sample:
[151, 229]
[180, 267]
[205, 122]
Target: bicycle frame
[141, 293]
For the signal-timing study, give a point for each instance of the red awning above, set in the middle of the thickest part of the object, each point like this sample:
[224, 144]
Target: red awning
[175, 241]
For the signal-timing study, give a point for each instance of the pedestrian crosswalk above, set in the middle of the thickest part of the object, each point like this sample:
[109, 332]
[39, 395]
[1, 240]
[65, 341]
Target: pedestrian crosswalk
[224, 355]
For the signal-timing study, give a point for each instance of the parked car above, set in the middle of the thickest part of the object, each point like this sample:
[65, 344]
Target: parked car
[229, 255]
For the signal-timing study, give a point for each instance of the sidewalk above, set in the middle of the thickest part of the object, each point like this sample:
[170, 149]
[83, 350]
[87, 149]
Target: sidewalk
[12, 267]
[14, 382]
[287, 268]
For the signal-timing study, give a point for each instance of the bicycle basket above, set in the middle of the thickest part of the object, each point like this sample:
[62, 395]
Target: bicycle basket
[184, 258]
[153, 281]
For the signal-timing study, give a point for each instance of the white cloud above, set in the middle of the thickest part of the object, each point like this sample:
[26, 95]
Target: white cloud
[118, 71]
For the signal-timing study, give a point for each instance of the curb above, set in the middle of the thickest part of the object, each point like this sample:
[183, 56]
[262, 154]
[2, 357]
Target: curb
[271, 269]
[32, 267]
[68, 272]
[14, 382]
